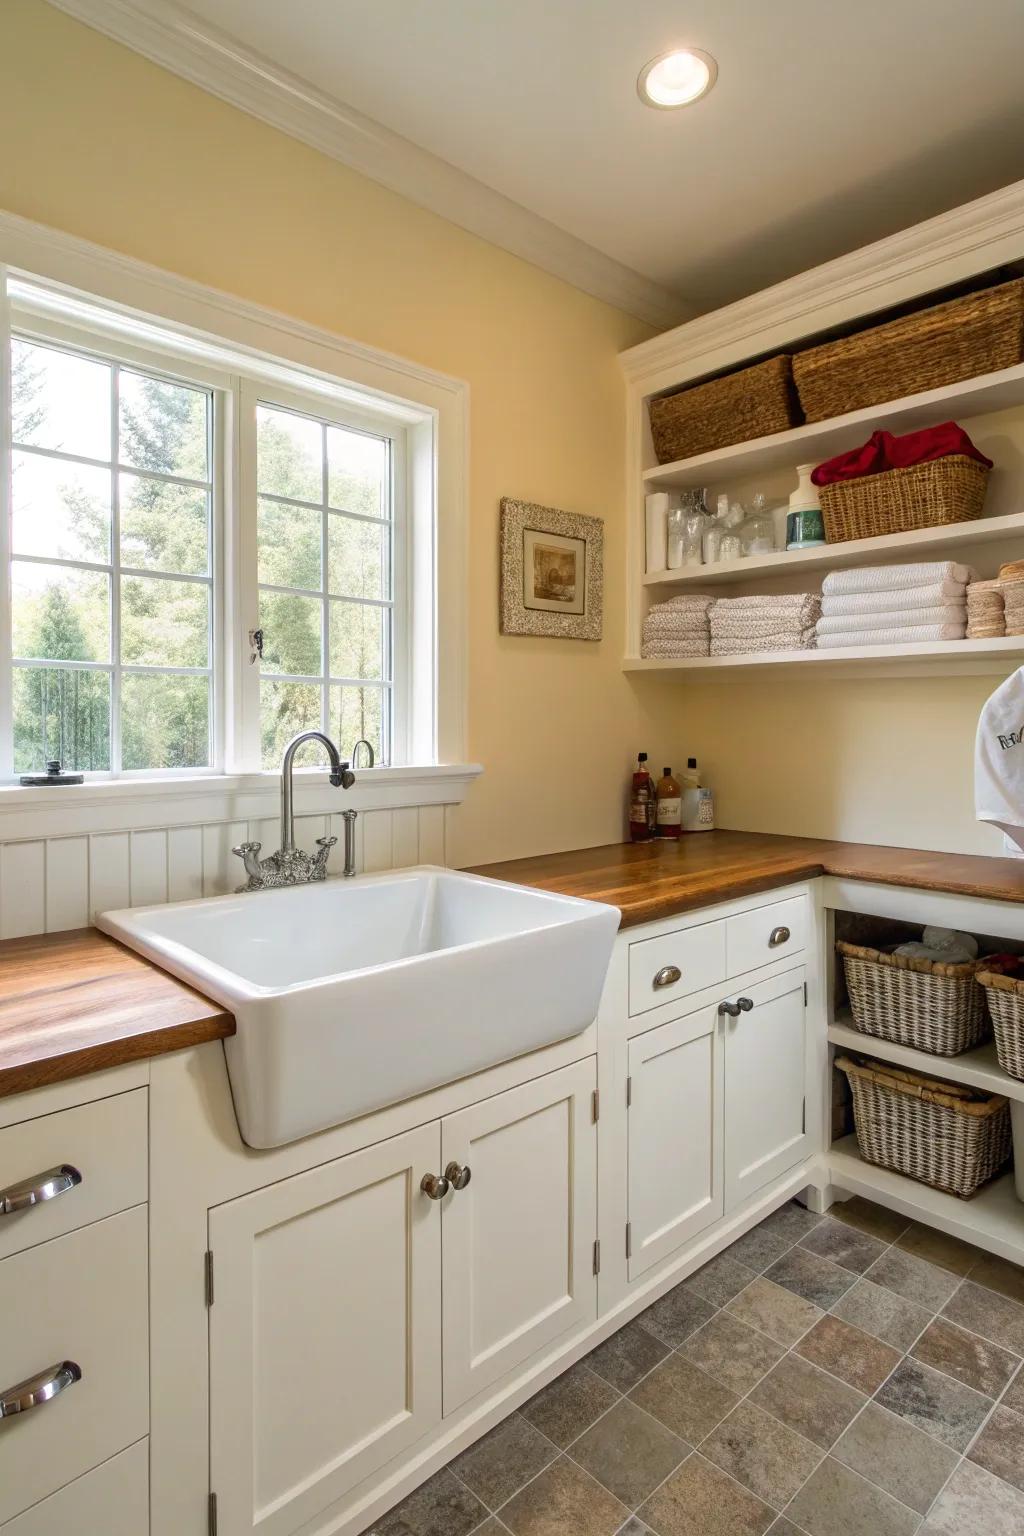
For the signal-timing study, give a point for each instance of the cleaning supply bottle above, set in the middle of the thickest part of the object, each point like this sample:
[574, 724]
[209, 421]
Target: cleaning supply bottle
[642, 803]
[698, 803]
[670, 805]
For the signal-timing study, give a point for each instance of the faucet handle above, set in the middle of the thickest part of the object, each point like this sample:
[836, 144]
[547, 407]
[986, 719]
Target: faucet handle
[344, 778]
[326, 842]
[244, 848]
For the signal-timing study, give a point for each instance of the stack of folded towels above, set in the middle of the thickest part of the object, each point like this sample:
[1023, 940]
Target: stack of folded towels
[985, 612]
[894, 604]
[740, 625]
[1011, 580]
[677, 628]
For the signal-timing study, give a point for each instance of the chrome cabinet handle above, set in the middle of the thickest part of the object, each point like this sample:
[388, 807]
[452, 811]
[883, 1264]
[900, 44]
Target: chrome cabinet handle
[780, 935]
[434, 1185]
[39, 1188]
[39, 1389]
[667, 976]
[458, 1176]
[741, 1005]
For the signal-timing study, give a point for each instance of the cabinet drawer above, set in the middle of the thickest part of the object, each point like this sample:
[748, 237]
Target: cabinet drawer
[698, 954]
[112, 1501]
[765, 934]
[81, 1299]
[103, 1149]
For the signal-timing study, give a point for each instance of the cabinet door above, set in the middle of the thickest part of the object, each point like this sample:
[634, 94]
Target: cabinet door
[675, 1130]
[518, 1240]
[765, 1084]
[325, 1332]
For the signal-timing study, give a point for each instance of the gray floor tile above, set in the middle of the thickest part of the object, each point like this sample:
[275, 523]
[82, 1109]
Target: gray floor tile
[721, 1280]
[564, 1501]
[731, 1353]
[939, 1248]
[879, 1311]
[868, 1217]
[629, 1452]
[1013, 1397]
[812, 1277]
[773, 1310]
[569, 1405]
[684, 1399]
[627, 1356]
[634, 1526]
[837, 1502]
[847, 1352]
[442, 1506]
[783, 1527]
[889, 1451]
[1000, 1275]
[843, 1244]
[974, 1503]
[768, 1241]
[995, 1317]
[497, 1466]
[701, 1500]
[970, 1358]
[937, 1404]
[1000, 1447]
[762, 1453]
[914, 1279]
[807, 1400]
[676, 1315]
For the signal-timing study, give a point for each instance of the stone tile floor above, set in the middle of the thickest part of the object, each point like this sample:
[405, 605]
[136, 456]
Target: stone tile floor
[847, 1375]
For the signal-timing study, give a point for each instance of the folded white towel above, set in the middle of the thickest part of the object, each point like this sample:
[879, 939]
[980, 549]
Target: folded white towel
[893, 618]
[776, 603]
[910, 635]
[930, 596]
[789, 640]
[757, 628]
[680, 647]
[684, 619]
[883, 578]
[689, 600]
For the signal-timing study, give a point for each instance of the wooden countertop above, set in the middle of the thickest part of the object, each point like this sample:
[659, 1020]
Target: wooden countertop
[75, 1002]
[647, 881]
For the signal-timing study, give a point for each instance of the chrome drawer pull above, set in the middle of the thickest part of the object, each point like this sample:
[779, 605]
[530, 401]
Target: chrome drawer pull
[741, 1005]
[667, 976]
[458, 1175]
[780, 935]
[434, 1185]
[41, 1187]
[39, 1389]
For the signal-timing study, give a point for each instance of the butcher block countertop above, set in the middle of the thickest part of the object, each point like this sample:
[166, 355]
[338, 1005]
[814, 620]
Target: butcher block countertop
[78, 1001]
[647, 881]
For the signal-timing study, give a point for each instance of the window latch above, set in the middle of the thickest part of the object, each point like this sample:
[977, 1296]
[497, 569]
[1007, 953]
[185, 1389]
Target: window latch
[255, 646]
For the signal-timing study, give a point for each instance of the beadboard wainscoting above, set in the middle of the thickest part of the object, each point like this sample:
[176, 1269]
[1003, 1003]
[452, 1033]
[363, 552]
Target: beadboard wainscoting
[52, 883]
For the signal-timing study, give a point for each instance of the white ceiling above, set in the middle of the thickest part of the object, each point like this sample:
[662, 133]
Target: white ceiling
[832, 124]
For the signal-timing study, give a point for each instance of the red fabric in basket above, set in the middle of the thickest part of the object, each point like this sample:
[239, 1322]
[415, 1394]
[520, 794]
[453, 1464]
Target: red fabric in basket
[884, 451]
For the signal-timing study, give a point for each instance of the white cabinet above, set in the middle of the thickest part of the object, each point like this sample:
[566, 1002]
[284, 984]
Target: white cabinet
[112, 1500]
[765, 1085]
[325, 1332]
[674, 1157]
[518, 1240]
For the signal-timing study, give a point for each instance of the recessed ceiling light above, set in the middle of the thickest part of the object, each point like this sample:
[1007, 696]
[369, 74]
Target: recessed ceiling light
[677, 78]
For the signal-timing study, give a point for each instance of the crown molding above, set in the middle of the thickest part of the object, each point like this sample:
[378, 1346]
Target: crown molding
[174, 38]
[941, 250]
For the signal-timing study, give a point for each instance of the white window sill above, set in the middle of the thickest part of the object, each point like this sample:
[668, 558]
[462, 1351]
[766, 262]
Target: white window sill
[111, 805]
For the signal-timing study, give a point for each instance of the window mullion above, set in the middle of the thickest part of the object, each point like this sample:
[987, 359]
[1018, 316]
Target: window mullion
[115, 571]
[325, 602]
[6, 425]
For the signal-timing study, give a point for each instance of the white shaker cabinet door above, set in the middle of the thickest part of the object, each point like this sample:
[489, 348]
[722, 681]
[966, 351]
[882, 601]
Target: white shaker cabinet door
[325, 1332]
[675, 1136]
[518, 1239]
[765, 1085]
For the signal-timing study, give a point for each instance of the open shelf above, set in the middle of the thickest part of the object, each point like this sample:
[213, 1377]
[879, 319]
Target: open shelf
[978, 1068]
[819, 440]
[993, 1219]
[923, 544]
[1001, 655]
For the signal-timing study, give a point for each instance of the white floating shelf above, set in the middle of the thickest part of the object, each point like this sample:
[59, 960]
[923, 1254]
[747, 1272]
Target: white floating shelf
[923, 544]
[978, 1068]
[821, 439]
[993, 1219]
[1002, 655]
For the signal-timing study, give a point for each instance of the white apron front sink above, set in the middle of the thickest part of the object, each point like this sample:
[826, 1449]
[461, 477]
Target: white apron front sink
[352, 994]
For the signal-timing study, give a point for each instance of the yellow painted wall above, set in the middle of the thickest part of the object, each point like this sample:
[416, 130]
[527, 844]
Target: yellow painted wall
[101, 143]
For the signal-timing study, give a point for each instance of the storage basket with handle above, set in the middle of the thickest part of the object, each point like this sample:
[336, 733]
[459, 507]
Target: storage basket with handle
[1005, 996]
[926, 1004]
[929, 495]
[754, 402]
[943, 1134]
[960, 339]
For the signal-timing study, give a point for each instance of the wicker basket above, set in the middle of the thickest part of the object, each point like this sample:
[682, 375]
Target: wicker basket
[949, 490]
[1006, 1005]
[925, 1004]
[943, 1134]
[752, 403]
[977, 334]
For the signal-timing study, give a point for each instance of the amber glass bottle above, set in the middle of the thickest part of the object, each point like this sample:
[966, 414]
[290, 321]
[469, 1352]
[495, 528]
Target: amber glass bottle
[642, 803]
[669, 805]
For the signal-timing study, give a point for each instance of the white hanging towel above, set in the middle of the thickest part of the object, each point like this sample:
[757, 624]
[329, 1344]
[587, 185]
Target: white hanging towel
[999, 763]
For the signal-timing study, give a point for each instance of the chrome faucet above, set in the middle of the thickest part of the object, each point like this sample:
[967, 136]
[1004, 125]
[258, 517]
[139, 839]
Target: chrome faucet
[291, 865]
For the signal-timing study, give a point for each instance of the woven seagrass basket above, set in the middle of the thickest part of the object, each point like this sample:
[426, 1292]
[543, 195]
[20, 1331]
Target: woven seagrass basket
[957, 340]
[949, 490]
[928, 1005]
[1006, 1005]
[752, 403]
[943, 1134]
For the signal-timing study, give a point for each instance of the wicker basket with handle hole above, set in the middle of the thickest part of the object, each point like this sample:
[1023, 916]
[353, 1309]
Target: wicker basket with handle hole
[925, 1004]
[1006, 1005]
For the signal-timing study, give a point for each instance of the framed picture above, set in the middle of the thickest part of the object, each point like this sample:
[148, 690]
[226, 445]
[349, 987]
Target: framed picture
[551, 572]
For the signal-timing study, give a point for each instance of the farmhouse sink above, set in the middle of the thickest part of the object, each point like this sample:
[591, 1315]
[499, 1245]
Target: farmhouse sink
[349, 995]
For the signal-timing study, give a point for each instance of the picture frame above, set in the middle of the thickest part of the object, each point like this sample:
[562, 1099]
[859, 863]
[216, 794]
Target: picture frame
[552, 572]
